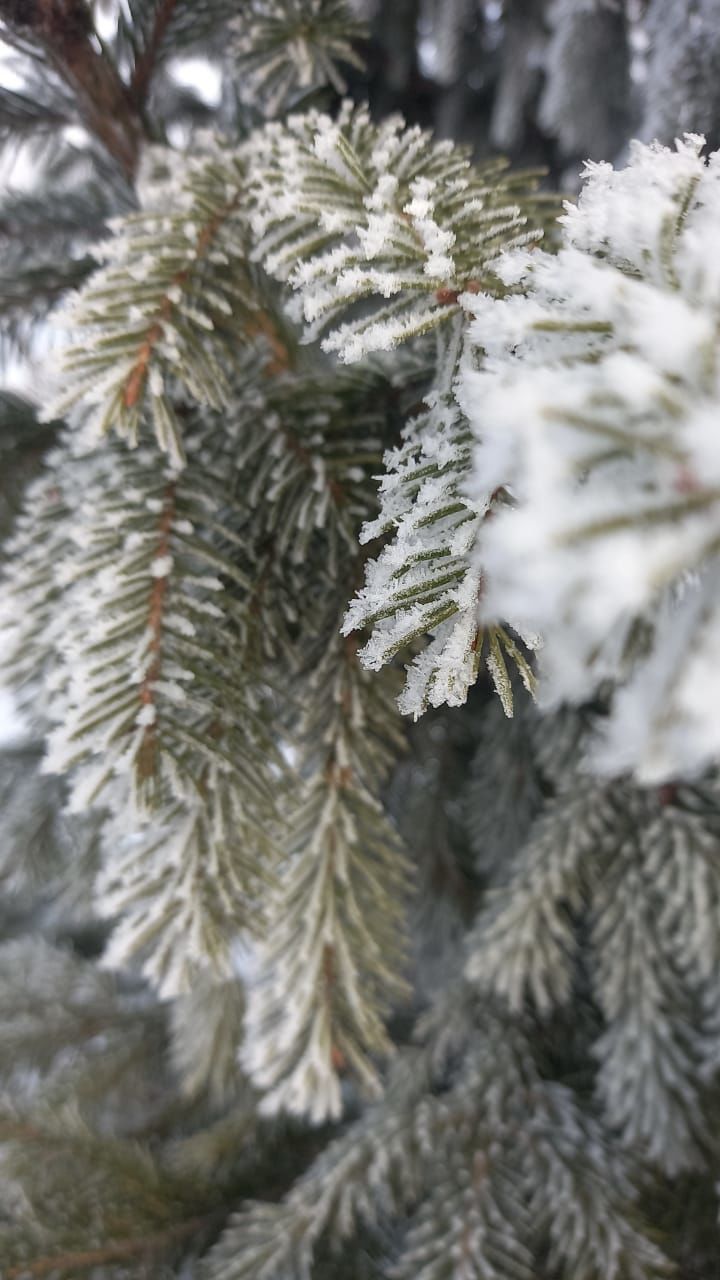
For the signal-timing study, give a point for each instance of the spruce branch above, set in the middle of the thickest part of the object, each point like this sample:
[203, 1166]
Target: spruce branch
[63, 29]
[337, 919]
[591, 868]
[21, 114]
[466, 1119]
[428, 579]
[162, 314]
[135, 383]
[649, 997]
[64, 1004]
[380, 224]
[310, 461]
[70, 219]
[611, 551]
[30, 289]
[40, 541]
[173, 601]
[150, 32]
[523, 941]
[137, 700]
[124, 1205]
[23, 442]
[206, 1027]
[503, 793]
[45, 232]
[144, 1248]
[382, 1152]
[147, 59]
[142, 693]
[287, 48]
[184, 890]
[143, 721]
[430, 228]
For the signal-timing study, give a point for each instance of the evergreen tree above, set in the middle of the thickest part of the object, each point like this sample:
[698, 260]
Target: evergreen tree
[324, 952]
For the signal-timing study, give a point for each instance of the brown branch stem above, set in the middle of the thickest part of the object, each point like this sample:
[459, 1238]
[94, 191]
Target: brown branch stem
[145, 65]
[113, 1251]
[136, 379]
[263, 324]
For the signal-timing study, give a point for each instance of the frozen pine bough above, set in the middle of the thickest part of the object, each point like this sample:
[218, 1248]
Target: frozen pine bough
[596, 406]
[425, 581]
[380, 230]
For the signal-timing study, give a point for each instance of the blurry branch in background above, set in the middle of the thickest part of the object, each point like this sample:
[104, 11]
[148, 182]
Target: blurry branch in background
[62, 31]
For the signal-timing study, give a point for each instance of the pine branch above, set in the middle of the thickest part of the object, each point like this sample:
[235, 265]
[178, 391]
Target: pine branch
[337, 919]
[591, 869]
[466, 1123]
[287, 48]
[146, 62]
[162, 315]
[124, 1203]
[153, 619]
[63, 29]
[609, 456]
[430, 227]
[143, 1248]
[427, 580]
[149, 32]
[309, 460]
[524, 940]
[351, 213]
[206, 1027]
[21, 114]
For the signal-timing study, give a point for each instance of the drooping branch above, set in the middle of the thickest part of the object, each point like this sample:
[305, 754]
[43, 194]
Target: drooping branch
[135, 383]
[347, 882]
